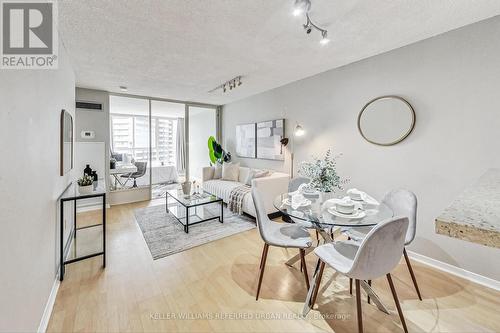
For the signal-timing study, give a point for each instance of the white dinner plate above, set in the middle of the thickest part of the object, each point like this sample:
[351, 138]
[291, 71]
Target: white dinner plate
[288, 202]
[357, 214]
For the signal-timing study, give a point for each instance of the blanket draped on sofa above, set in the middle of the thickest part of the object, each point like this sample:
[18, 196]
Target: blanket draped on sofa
[236, 198]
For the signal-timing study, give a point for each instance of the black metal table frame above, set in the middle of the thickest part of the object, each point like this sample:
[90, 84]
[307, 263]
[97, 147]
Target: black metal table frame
[64, 249]
[187, 224]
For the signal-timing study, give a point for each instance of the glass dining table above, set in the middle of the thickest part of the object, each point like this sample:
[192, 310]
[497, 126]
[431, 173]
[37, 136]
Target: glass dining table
[319, 213]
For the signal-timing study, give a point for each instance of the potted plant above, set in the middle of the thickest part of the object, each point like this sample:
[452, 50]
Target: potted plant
[85, 184]
[323, 174]
[216, 153]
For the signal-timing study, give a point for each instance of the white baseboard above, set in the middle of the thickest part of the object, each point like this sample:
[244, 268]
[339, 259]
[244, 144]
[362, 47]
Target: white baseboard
[49, 306]
[457, 271]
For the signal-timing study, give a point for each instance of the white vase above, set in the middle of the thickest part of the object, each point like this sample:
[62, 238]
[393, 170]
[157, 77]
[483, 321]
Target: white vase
[86, 189]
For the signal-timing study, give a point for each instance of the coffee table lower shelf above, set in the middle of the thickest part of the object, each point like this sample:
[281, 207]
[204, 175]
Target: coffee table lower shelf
[193, 219]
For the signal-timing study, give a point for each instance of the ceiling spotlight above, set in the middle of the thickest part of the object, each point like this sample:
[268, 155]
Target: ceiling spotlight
[123, 88]
[324, 40]
[301, 6]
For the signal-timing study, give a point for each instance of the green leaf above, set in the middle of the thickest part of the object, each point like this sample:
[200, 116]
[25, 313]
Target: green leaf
[211, 151]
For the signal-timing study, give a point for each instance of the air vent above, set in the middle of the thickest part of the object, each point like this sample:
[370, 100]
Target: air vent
[89, 106]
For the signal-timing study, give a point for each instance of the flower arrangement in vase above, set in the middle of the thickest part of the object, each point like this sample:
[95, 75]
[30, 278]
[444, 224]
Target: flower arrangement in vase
[85, 184]
[322, 173]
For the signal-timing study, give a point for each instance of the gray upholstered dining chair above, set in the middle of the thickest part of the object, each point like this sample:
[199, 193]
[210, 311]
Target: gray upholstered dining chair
[376, 256]
[141, 171]
[278, 234]
[403, 203]
[294, 183]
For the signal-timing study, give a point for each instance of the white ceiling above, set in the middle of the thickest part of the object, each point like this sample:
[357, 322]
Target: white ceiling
[181, 49]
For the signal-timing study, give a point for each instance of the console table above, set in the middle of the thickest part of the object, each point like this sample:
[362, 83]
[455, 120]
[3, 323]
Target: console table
[81, 232]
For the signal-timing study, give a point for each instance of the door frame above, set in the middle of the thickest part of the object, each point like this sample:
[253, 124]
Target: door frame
[187, 105]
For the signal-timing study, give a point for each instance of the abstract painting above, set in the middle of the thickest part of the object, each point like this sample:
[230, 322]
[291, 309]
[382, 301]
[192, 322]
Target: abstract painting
[245, 140]
[269, 134]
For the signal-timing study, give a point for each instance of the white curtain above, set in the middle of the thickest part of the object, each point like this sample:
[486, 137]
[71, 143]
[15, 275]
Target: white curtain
[181, 151]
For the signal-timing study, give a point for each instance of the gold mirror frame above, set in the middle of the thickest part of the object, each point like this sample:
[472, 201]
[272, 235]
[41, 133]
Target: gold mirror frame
[404, 136]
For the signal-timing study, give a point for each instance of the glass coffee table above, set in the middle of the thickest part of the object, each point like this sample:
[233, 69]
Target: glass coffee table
[194, 208]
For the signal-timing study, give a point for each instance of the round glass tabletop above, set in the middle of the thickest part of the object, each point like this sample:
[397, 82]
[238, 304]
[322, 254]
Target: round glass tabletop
[320, 212]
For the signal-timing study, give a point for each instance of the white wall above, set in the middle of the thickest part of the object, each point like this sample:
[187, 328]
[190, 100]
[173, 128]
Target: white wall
[452, 81]
[30, 104]
[202, 125]
[94, 151]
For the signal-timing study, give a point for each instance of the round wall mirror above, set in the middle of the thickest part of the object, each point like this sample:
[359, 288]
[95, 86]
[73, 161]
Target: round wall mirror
[386, 120]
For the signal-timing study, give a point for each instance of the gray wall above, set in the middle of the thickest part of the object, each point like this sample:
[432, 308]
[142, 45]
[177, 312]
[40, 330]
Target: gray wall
[31, 103]
[452, 81]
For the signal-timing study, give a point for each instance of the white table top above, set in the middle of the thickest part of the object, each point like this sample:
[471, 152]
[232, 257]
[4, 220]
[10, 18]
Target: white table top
[123, 168]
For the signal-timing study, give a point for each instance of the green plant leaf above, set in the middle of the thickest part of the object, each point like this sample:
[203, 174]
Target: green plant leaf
[211, 151]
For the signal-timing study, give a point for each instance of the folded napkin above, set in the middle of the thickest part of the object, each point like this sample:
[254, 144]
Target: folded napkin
[363, 195]
[332, 202]
[297, 200]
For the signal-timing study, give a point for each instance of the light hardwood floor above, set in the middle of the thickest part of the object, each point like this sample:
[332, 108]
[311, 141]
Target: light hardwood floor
[135, 293]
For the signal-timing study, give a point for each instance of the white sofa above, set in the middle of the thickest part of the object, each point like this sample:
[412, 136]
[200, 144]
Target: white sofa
[271, 186]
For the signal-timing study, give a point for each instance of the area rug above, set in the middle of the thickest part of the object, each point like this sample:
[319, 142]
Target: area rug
[164, 235]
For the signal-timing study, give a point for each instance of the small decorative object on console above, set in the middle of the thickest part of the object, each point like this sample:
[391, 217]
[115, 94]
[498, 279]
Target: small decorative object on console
[88, 170]
[85, 184]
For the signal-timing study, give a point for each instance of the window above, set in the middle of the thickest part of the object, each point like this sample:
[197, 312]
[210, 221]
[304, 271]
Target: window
[129, 135]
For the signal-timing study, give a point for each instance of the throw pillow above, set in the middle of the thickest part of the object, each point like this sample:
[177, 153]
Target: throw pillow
[230, 171]
[255, 173]
[218, 171]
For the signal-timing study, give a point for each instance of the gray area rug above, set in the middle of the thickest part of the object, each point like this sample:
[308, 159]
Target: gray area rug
[164, 235]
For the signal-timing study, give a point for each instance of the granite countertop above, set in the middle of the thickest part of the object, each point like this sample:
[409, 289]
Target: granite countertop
[475, 215]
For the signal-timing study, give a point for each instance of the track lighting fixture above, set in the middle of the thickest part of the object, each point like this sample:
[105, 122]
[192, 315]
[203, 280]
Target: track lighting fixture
[231, 84]
[303, 7]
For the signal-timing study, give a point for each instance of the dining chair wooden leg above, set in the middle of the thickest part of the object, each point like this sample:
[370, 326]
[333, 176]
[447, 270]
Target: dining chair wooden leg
[358, 307]
[317, 234]
[350, 286]
[396, 300]
[264, 257]
[318, 282]
[411, 273]
[370, 284]
[303, 261]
